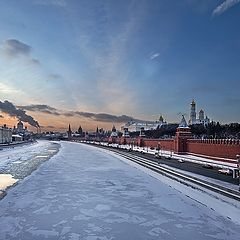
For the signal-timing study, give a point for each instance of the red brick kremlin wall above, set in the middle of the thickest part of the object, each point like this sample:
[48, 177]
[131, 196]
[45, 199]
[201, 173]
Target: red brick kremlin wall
[164, 144]
[182, 143]
[214, 147]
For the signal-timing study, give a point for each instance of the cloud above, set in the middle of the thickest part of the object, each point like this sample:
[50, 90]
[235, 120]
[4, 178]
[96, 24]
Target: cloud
[35, 61]
[111, 76]
[8, 108]
[40, 108]
[224, 6]
[13, 48]
[7, 89]
[154, 55]
[54, 76]
[101, 117]
[104, 117]
[58, 3]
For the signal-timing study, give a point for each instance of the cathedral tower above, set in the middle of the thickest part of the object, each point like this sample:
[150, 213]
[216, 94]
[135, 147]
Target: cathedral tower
[201, 115]
[193, 113]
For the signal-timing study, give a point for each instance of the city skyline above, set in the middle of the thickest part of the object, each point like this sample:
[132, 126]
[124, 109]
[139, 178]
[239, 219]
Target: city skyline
[95, 63]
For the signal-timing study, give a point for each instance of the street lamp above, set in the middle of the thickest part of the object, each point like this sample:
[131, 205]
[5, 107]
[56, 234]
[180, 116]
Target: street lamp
[158, 147]
[238, 164]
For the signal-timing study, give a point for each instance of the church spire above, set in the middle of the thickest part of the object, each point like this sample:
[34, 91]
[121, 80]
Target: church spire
[69, 128]
[114, 129]
[69, 132]
[183, 123]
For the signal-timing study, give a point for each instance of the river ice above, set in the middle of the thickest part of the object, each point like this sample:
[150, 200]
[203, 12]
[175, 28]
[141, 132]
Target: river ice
[84, 193]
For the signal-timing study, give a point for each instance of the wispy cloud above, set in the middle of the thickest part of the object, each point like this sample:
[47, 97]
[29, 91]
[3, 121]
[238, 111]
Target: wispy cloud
[54, 76]
[112, 89]
[13, 48]
[58, 3]
[7, 89]
[154, 55]
[40, 108]
[35, 61]
[224, 6]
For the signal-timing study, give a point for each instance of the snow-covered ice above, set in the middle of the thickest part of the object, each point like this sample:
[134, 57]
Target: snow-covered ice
[85, 193]
[21, 160]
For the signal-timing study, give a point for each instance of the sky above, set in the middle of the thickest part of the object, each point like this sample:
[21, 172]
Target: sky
[102, 62]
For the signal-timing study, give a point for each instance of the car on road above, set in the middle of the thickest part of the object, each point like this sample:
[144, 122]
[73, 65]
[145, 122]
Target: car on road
[225, 171]
[157, 155]
[181, 160]
[207, 166]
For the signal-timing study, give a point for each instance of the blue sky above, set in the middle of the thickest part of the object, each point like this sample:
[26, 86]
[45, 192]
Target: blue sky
[137, 58]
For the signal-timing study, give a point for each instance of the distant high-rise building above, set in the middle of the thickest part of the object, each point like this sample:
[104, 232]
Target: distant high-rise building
[5, 134]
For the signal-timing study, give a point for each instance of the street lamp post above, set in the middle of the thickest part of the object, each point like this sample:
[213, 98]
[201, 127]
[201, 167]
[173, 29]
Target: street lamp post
[158, 147]
[238, 164]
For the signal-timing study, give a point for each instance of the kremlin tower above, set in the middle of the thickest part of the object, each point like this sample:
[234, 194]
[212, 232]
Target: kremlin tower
[182, 135]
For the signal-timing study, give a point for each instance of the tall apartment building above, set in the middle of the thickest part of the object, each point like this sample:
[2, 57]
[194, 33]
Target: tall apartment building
[5, 134]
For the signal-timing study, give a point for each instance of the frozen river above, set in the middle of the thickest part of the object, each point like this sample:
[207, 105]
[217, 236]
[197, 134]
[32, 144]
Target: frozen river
[85, 193]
